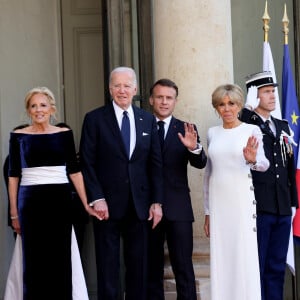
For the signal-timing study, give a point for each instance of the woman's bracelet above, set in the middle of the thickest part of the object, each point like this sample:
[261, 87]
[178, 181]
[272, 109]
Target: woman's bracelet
[14, 217]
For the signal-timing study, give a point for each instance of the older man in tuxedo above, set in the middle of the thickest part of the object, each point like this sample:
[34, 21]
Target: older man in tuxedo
[122, 167]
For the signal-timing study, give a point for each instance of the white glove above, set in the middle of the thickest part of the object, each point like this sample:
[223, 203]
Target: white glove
[252, 101]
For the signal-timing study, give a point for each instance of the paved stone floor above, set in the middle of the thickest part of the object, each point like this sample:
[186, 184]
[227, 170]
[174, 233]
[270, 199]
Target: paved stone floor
[203, 289]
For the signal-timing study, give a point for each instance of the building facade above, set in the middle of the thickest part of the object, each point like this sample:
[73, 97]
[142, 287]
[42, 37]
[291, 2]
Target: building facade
[71, 46]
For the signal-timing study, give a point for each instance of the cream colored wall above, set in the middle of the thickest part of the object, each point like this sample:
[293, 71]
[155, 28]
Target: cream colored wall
[29, 56]
[193, 47]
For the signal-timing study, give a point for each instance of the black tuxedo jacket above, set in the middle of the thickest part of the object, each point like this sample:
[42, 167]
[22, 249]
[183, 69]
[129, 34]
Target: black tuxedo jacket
[177, 201]
[110, 174]
[275, 189]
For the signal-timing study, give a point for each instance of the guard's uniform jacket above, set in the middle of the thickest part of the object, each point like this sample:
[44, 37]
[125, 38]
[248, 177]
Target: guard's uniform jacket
[275, 190]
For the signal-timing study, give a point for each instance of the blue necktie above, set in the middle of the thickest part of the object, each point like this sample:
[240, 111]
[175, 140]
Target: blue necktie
[161, 132]
[125, 130]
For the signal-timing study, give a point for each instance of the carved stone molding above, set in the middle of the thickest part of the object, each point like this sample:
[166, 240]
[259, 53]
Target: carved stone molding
[85, 7]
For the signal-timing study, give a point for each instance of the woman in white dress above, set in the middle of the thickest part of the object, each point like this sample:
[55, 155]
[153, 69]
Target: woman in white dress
[234, 149]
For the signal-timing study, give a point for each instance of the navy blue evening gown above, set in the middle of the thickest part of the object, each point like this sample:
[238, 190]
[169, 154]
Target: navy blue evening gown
[44, 213]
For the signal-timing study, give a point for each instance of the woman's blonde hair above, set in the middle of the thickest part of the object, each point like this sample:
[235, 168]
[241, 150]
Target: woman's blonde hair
[232, 91]
[45, 91]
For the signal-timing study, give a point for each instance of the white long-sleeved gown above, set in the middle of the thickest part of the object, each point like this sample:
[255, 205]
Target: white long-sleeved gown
[230, 202]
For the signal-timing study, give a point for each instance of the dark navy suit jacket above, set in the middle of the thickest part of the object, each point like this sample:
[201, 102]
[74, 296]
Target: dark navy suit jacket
[110, 174]
[177, 201]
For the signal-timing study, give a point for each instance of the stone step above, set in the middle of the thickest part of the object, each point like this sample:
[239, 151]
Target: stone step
[202, 288]
[202, 272]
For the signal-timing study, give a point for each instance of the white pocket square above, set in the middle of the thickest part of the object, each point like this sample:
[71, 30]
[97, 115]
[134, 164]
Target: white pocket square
[145, 133]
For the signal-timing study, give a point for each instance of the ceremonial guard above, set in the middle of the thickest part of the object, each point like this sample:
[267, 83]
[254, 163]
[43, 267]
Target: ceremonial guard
[275, 189]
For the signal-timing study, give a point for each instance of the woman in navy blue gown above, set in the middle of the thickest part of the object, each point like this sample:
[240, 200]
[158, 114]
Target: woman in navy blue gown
[41, 156]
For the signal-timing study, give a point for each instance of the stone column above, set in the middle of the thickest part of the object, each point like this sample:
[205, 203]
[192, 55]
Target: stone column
[193, 47]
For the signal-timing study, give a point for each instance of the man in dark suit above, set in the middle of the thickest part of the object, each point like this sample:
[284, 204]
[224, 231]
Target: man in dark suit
[122, 167]
[275, 189]
[180, 146]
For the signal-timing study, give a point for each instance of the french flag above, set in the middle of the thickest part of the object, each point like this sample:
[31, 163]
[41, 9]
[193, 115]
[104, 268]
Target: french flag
[296, 220]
